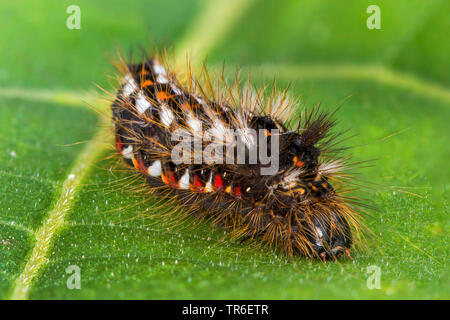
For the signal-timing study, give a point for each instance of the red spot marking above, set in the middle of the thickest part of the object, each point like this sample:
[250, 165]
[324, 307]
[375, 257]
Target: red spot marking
[119, 144]
[347, 252]
[237, 192]
[218, 182]
[142, 166]
[198, 185]
[173, 180]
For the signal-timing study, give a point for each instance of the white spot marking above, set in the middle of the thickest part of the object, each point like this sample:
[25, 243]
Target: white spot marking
[319, 241]
[291, 179]
[175, 89]
[200, 101]
[247, 138]
[184, 181]
[127, 153]
[245, 134]
[141, 103]
[208, 186]
[319, 232]
[129, 85]
[161, 72]
[194, 123]
[162, 79]
[221, 133]
[159, 69]
[155, 169]
[167, 115]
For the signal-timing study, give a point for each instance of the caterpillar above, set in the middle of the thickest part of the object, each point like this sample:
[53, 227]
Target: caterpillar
[296, 205]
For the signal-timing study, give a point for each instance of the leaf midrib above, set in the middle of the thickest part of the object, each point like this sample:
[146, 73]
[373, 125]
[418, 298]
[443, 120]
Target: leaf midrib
[56, 218]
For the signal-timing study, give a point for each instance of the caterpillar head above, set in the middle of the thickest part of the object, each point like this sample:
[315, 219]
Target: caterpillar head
[330, 236]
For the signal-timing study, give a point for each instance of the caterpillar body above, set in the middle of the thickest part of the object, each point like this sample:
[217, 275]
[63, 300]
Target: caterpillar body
[296, 208]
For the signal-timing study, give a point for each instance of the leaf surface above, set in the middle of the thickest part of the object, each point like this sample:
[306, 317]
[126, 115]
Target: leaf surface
[64, 201]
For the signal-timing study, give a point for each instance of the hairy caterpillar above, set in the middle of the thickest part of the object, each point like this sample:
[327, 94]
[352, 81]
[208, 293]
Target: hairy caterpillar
[297, 208]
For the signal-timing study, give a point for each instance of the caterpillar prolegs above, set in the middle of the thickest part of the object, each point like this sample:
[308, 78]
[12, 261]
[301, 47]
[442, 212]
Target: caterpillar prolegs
[202, 140]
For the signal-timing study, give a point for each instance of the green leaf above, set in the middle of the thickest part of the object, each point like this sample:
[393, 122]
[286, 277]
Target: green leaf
[65, 202]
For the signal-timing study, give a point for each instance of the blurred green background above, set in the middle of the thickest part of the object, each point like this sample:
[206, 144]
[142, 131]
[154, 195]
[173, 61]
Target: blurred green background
[392, 83]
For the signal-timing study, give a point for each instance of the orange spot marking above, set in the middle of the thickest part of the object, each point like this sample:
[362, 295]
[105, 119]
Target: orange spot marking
[228, 189]
[164, 178]
[267, 133]
[147, 83]
[185, 106]
[294, 159]
[135, 162]
[162, 95]
[299, 164]
[300, 190]
[218, 182]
